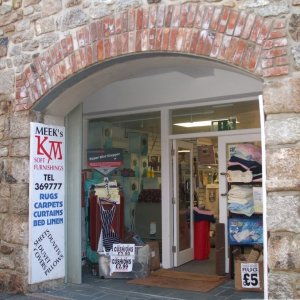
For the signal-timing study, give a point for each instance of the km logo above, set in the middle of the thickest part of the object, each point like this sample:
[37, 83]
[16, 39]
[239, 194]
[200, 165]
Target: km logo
[52, 149]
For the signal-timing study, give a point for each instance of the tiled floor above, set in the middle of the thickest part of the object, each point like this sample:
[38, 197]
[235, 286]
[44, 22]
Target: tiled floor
[94, 288]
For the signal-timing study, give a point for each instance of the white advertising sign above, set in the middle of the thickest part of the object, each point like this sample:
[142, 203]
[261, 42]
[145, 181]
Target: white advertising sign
[46, 202]
[250, 275]
[122, 257]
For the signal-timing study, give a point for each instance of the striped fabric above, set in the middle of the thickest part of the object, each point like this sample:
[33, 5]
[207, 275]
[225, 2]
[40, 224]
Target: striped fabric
[109, 235]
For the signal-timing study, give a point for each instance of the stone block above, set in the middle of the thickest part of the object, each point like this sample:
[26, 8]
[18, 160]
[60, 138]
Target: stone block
[283, 251]
[282, 129]
[20, 170]
[3, 46]
[44, 25]
[294, 27]
[73, 18]
[4, 190]
[281, 285]
[20, 124]
[20, 257]
[19, 203]
[283, 165]
[12, 282]
[20, 147]
[14, 229]
[282, 96]
[296, 55]
[51, 7]
[283, 211]
[7, 81]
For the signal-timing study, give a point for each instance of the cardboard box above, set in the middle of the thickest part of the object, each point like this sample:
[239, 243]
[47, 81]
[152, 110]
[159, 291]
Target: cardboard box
[154, 255]
[249, 276]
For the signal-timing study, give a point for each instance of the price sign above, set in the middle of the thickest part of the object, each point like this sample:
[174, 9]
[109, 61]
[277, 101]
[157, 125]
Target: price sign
[122, 257]
[250, 275]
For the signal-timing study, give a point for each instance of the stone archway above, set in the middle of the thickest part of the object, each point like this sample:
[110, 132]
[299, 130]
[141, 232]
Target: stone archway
[244, 40]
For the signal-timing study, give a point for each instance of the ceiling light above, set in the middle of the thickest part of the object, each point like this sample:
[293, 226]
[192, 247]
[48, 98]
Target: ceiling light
[194, 124]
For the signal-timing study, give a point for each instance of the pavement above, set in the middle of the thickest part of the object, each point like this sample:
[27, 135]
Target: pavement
[95, 288]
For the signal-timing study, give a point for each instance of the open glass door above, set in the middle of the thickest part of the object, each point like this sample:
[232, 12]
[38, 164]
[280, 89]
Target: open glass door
[183, 202]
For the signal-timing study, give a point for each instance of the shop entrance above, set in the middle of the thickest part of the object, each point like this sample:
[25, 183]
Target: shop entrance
[220, 167]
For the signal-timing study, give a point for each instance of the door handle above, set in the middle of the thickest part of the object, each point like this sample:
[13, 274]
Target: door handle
[223, 173]
[224, 194]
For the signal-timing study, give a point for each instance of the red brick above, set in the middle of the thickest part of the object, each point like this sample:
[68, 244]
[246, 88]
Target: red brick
[183, 14]
[52, 73]
[21, 93]
[87, 38]
[224, 46]
[146, 18]
[201, 42]
[58, 74]
[112, 25]
[232, 22]
[199, 16]
[231, 49]
[62, 69]
[106, 48]
[144, 40]
[165, 39]
[105, 27]
[276, 71]
[274, 53]
[95, 52]
[158, 39]
[209, 42]
[194, 40]
[160, 16]
[256, 28]
[279, 23]
[139, 19]
[248, 26]
[209, 11]
[237, 58]
[176, 16]
[240, 24]
[275, 43]
[125, 42]
[168, 15]
[138, 41]
[152, 37]
[82, 57]
[119, 44]
[39, 87]
[267, 63]
[100, 50]
[131, 19]
[48, 78]
[131, 41]
[215, 18]
[125, 21]
[93, 32]
[44, 84]
[191, 15]
[224, 19]
[68, 67]
[179, 39]
[64, 47]
[29, 75]
[187, 39]
[35, 92]
[73, 65]
[118, 23]
[216, 45]
[89, 55]
[249, 49]
[172, 40]
[80, 37]
[152, 16]
[281, 61]
[100, 30]
[276, 34]
[254, 57]
[113, 46]
[264, 31]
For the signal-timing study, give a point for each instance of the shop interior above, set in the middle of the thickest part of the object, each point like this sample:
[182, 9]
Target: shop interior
[133, 182]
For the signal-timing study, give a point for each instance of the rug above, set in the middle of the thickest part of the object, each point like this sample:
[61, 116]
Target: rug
[181, 280]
